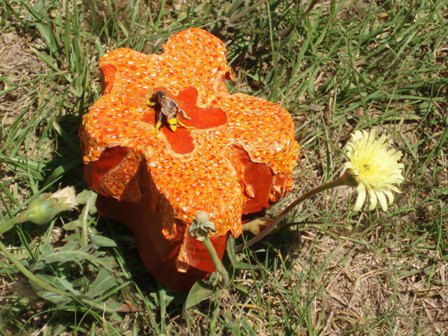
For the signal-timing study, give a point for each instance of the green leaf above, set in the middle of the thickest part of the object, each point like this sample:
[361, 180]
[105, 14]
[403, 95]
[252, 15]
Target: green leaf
[102, 241]
[230, 249]
[88, 198]
[70, 246]
[72, 253]
[48, 36]
[199, 292]
[67, 256]
[246, 266]
[46, 249]
[50, 296]
[67, 285]
[46, 59]
[53, 298]
[83, 196]
[73, 225]
[60, 170]
[102, 283]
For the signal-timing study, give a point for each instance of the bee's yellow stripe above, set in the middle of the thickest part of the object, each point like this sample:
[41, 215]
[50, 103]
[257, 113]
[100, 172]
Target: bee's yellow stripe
[172, 124]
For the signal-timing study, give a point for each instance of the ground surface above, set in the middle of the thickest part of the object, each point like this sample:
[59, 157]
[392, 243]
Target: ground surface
[340, 66]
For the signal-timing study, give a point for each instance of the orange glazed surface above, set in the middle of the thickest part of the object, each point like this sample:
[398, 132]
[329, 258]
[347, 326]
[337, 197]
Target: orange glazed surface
[235, 157]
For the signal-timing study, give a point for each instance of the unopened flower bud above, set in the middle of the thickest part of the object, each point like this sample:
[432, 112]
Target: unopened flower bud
[201, 226]
[45, 207]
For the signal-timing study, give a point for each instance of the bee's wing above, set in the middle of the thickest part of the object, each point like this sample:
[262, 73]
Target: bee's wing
[170, 109]
[181, 112]
[166, 107]
[174, 106]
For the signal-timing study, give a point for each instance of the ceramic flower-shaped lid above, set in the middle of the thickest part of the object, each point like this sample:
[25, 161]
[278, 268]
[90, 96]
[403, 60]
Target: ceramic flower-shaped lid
[235, 155]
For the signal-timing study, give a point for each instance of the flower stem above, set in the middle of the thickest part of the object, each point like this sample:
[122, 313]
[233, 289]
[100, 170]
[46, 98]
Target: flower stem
[9, 224]
[216, 261]
[272, 224]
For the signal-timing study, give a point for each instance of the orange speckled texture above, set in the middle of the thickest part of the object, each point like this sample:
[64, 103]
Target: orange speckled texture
[235, 157]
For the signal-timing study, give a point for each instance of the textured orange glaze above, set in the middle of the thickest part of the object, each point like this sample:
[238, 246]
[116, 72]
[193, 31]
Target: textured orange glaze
[235, 156]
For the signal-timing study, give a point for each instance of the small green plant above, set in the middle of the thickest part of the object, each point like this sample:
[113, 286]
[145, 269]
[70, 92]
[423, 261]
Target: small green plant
[63, 276]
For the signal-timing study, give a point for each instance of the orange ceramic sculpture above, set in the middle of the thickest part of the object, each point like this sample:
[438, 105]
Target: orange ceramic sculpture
[235, 156]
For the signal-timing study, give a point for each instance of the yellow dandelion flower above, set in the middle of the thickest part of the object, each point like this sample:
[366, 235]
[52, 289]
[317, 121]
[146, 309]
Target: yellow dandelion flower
[374, 167]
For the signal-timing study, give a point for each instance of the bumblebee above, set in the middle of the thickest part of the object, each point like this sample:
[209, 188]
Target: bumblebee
[167, 111]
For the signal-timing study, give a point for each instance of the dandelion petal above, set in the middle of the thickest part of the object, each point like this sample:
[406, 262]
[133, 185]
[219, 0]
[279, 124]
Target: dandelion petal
[361, 197]
[373, 200]
[382, 200]
[389, 195]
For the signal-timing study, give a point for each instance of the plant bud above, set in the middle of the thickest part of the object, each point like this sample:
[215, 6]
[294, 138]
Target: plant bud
[45, 207]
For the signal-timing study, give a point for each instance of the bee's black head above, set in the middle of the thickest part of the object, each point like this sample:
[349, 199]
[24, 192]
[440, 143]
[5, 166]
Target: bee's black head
[159, 94]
